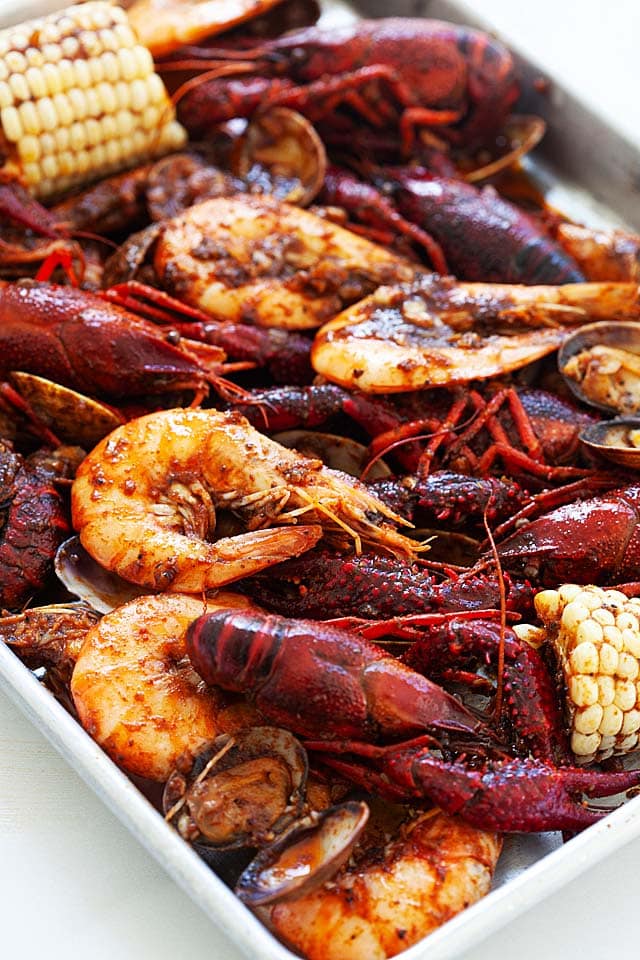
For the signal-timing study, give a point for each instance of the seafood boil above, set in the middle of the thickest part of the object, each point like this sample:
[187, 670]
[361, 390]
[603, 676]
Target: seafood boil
[318, 450]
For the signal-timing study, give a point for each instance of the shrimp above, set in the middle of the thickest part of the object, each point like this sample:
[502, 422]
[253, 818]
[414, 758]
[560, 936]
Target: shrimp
[256, 259]
[436, 332]
[149, 498]
[165, 25]
[382, 904]
[137, 694]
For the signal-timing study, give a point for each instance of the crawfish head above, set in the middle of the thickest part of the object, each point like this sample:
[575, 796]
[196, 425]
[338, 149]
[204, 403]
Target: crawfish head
[78, 340]
[588, 541]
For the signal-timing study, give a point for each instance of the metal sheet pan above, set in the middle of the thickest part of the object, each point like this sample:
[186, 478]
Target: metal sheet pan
[532, 867]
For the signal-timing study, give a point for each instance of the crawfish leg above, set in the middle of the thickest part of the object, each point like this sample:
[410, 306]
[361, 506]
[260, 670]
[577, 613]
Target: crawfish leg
[516, 795]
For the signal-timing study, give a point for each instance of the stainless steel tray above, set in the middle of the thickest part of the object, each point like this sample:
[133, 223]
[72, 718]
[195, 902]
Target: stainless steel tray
[579, 155]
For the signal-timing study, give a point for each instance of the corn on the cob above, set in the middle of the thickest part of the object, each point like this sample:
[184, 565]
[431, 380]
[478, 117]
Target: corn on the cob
[79, 98]
[596, 635]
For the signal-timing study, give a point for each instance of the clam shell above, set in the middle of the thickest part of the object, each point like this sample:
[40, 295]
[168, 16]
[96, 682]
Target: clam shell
[281, 152]
[339, 453]
[85, 578]
[613, 439]
[301, 859]
[603, 387]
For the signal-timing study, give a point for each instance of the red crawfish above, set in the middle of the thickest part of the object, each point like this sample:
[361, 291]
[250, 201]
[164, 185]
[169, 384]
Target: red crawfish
[594, 540]
[480, 235]
[332, 685]
[34, 519]
[392, 72]
[80, 341]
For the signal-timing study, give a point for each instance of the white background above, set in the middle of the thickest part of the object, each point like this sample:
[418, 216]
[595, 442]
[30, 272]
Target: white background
[73, 883]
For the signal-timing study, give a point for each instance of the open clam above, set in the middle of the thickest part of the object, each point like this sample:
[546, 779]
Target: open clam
[308, 854]
[281, 153]
[601, 365]
[617, 440]
[239, 791]
[339, 453]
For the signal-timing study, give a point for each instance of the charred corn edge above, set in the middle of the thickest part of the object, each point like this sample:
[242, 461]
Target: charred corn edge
[596, 635]
[79, 99]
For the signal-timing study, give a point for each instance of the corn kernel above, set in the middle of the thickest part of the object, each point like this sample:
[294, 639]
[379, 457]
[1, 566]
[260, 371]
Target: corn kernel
[608, 659]
[19, 40]
[16, 62]
[107, 98]
[157, 94]
[588, 720]
[611, 722]
[6, 96]
[98, 156]
[101, 18]
[589, 598]
[631, 722]
[32, 174]
[63, 109]
[631, 642]
[151, 118]
[64, 26]
[83, 161]
[51, 53]
[62, 138]
[94, 107]
[125, 122]
[66, 163]
[114, 151]
[547, 603]
[584, 658]
[629, 743]
[47, 143]
[83, 77]
[49, 166]
[111, 66]
[11, 124]
[589, 631]
[109, 128]
[70, 48]
[613, 636]
[34, 57]
[29, 149]
[583, 690]
[19, 87]
[96, 69]
[585, 745]
[78, 136]
[139, 95]
[626, 621]
[144, 61]
[128, 65]
[94, 132]
[29, 118]
[606, 690]
[573, 614]
[78, 102]
[628, 666]
[527, 632]
[52, 79]
[604, 617]
[118, 15]
[47, 113]
[108, 40]
[615, 600]
[66, 75]
[625, 696]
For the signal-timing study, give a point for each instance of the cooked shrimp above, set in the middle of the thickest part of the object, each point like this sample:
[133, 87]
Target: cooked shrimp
[384, 903]
[165, 25]
[136, 693]
[602, 254]
[435, 331]
[147, 501]
[254, 258]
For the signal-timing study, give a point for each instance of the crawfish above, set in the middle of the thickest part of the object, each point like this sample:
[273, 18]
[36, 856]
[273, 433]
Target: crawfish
[402, 72]
[329, 684]
[481, 235]
[80, 341]
[34, 519]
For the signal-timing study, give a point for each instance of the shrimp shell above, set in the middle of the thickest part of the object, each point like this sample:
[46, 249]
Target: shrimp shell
[147, 500]
[136, 692]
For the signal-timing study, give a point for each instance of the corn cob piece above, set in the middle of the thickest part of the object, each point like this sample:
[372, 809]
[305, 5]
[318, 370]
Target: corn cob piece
[596, 635]
[79, 99]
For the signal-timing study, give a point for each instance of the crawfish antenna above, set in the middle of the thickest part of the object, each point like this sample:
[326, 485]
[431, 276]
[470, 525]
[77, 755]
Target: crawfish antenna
[503, 609]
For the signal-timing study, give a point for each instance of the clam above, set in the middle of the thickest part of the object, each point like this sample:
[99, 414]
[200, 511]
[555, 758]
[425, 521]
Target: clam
[304, 857]
[239, 791]
[617, 440]
[281, 153]
[339, 453]
[74, 418]
[601, 365]
[86, 579]
[520, 134]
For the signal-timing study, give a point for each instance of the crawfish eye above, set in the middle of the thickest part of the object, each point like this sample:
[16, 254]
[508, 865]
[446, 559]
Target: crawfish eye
[173, 337]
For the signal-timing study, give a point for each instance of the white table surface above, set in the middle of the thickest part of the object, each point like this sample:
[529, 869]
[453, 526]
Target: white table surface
[73, 882]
